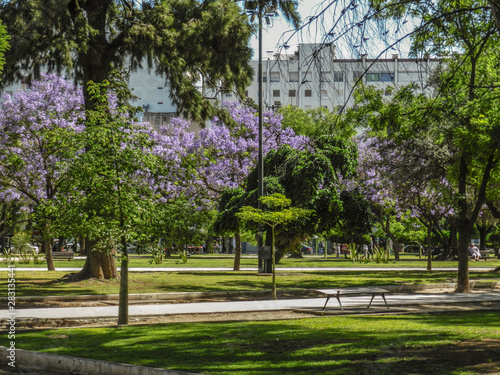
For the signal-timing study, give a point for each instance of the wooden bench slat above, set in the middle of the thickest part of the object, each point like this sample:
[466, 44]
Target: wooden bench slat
[63, 255]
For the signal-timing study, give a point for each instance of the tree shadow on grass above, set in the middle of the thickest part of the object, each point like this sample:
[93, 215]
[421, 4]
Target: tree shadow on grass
[389, 345]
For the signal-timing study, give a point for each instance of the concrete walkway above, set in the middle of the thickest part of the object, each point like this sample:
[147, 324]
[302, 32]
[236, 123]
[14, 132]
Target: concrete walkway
[254, 269]
[394, 300]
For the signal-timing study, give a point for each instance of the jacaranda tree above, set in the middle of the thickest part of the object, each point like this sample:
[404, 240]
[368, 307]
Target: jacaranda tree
[219, 158]
[40, 134]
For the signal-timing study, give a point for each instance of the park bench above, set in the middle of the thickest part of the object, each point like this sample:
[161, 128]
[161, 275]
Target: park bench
[69, 255]
[485, 254]
[353, 292]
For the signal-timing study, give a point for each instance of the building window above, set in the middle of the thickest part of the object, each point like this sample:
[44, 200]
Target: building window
[386, 77]
[276, 93]
[294, 77]
[379, 77]
[275, 76]
[160, 102]
[308, 93]
[246, 93]
[264, 78]
[291, 93]
[326, 76]
[277, 103]
[338, 77]
[357, 75]
[160, 88]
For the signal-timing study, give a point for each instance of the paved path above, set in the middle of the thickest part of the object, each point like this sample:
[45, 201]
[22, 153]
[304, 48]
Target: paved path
[393, 300]
[254, 269]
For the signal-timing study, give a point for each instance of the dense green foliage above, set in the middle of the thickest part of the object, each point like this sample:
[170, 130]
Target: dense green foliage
[180, 40]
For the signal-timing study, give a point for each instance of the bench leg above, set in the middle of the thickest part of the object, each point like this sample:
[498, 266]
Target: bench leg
[327, 299]
[373, 296]
[383, 296]
[338, 299]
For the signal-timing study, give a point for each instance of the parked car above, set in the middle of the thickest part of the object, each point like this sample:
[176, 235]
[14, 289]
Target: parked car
[34, 248]
[306, 249]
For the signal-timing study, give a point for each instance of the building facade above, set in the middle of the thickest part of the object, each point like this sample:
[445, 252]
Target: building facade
[311, 77]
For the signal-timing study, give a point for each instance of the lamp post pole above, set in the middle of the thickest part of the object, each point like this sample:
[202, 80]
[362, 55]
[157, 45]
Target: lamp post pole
[264, 262]
[256, 8]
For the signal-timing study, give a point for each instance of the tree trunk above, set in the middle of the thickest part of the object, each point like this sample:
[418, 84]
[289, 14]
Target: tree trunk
[273, 256]
[237, 251]
[429, 251]
[266, 265]
[48, 254]
[97, 265]
[464, 237]
[483, 233]
[454, 239]
[108, 264]
[47, 246]
[398, 246]
[210, 244]
[123, 298]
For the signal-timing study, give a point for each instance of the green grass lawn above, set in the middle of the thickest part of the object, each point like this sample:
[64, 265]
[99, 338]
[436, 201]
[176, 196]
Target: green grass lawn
[42, 283]
[454, 343]
[227, 261]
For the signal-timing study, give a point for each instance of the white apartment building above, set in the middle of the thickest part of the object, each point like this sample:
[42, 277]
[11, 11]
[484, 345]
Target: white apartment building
[312, 77]
[308, 77]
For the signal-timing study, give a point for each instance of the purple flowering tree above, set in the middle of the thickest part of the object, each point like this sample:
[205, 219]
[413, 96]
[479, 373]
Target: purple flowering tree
[407, 177]
[220, 157]
[39, 132]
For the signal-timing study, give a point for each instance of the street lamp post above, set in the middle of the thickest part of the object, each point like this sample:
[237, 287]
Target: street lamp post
[265, 262]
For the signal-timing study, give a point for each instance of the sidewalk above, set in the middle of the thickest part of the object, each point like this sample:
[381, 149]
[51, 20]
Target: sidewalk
[395, 300]
[255, 269]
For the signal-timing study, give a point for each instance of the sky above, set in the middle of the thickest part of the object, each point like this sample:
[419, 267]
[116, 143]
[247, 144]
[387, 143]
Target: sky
[272, 35]
[279, 31]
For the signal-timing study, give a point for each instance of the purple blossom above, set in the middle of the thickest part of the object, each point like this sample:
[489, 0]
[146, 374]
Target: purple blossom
[221, 156]
[37, 137]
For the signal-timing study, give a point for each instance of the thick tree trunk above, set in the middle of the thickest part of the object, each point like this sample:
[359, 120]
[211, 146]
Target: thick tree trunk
[98, 266]
[237, 251]
[108, 265]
